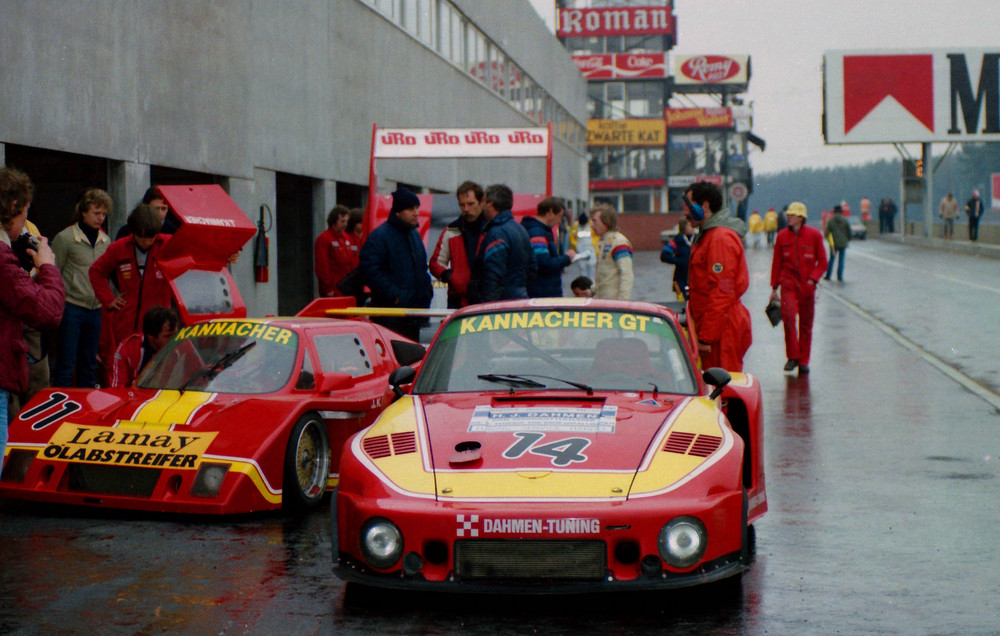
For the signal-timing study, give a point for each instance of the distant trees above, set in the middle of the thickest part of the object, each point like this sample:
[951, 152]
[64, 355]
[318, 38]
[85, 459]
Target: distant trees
[966, 169]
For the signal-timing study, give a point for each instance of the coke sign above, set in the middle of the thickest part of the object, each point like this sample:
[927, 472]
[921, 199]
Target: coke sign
[622, 65]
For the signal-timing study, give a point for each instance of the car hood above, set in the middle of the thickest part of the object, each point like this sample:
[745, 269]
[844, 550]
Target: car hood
[190, 421]
[556, 447]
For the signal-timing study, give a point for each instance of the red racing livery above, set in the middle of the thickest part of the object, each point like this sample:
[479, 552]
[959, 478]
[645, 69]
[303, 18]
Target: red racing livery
[555, 445]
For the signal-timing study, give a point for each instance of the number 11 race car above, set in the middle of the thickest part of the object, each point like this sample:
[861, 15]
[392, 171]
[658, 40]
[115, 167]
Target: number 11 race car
[231, 416]
[555, 445]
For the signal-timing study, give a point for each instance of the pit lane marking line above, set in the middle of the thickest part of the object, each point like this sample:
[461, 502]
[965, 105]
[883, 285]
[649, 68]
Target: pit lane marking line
[970, 384]
[950, 279]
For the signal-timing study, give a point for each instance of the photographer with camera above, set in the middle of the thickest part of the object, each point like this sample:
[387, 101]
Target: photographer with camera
[36, 302]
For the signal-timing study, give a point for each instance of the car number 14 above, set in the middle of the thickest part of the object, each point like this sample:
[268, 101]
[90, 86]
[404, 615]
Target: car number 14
[563, 452]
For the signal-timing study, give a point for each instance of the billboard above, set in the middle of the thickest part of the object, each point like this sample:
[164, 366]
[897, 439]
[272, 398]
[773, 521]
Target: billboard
[584, 23]
[719, 117]
[711, 69]
[622, 66]
[626, 132]
[887, 96]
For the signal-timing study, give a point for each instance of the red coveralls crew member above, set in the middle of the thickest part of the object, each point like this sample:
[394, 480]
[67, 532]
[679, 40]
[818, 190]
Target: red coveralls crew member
[717, 278]
[158, 326]
[798, 264]
[132, 262]
[336, 251]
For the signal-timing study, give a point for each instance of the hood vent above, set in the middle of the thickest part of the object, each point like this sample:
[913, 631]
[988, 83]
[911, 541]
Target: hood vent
[692, 444]
[386, 445]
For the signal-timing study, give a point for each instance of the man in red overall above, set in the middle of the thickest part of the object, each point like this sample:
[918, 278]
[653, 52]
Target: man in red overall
[717, 278]
[799, 262]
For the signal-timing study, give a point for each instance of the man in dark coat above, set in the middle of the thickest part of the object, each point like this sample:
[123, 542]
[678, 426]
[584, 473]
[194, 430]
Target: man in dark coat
[550, 263]
[974, 208]
[504, 262]
[394, 264]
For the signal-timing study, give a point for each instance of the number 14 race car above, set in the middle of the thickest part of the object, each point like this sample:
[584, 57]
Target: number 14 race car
[555, 445]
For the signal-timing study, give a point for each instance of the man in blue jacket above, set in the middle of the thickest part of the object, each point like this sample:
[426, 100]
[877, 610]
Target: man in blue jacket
[504, 262]
[550, 263]
[394, 264]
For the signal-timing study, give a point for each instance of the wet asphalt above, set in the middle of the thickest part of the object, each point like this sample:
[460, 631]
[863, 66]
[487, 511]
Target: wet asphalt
[882, 473]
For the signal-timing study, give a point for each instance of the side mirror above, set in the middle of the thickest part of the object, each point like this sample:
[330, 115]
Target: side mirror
[407, 353]
[402, 375]
[329, 382]
[717, 377]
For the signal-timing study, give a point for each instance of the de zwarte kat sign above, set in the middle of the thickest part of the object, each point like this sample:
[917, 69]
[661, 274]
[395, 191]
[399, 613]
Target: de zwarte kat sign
[578, 23]
[885, 96]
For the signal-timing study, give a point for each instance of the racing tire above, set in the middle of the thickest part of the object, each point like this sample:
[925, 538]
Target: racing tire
[307, 464]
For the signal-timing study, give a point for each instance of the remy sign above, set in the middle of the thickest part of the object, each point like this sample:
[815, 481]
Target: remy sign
[885, 96]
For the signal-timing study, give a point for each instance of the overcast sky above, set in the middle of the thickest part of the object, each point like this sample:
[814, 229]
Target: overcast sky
[786, 40]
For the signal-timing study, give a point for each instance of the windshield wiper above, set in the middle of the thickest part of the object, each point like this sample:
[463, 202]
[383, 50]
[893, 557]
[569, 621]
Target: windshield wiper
[511, 380]
[523, 380]
[579, 385]
[219, 365]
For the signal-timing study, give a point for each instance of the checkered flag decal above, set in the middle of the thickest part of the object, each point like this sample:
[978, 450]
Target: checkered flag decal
[467, 526]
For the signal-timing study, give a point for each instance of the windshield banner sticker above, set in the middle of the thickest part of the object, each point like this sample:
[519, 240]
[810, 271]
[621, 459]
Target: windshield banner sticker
[256, 330]
[486, 419]
[553, 320]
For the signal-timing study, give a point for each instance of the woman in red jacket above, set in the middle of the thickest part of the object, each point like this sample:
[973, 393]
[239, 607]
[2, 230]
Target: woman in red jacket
[131, 263]
[798, 264]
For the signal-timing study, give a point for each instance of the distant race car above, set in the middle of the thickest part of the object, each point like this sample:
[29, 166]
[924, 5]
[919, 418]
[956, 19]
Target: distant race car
[555, 445]
[858, 229]
[231, 416]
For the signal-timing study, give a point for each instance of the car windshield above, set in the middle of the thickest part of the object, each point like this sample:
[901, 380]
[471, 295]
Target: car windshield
[224, 357]
[566, 349]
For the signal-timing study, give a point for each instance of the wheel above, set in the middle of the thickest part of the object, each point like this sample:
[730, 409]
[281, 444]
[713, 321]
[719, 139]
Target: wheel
[307, 464]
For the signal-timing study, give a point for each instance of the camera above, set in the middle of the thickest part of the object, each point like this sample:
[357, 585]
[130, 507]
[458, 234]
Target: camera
[21, 245]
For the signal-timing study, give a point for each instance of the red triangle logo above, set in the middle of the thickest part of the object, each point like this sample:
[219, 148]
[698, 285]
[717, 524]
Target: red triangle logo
[869, 79]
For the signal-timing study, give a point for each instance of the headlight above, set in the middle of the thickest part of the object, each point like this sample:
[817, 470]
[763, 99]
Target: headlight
[682, 542]
[381, 543]
[209, 480]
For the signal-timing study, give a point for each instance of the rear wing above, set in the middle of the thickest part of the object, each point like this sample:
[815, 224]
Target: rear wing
[453, 143]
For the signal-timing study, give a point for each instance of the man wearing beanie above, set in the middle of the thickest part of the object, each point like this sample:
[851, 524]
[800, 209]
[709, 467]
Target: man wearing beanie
[798, 264]
[394, 264]
[504, 262]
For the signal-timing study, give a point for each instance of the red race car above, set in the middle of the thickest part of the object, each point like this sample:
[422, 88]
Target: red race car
[231, 416]
[555, 445]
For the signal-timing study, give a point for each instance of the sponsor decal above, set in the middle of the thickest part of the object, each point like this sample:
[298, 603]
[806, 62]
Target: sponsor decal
[554, 320]
[257, 330]
[478, 525]
[487, 419]
[205, 220]
[122, 446]
[717, 268]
